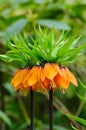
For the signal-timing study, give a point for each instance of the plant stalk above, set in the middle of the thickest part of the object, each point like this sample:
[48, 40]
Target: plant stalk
[51, 109]
[32, 109]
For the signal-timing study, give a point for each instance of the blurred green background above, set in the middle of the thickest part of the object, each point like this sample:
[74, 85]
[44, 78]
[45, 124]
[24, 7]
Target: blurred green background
[22, 15]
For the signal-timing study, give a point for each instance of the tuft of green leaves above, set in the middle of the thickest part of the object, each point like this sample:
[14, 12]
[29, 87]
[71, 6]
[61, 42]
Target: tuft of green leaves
[43, 47]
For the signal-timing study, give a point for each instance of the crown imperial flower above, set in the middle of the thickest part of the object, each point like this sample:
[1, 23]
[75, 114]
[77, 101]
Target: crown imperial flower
[46, 59]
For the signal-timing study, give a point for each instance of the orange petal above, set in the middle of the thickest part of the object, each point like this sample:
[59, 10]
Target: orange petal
[46, 83]
[38, 86]
[42, 76]
[39, 72]
[33, 75]
[57, 68]
[15, 78]
[71, 77]
[18, 87]
[20, 77]
[48, 71]
[25, 82]
[62, 80]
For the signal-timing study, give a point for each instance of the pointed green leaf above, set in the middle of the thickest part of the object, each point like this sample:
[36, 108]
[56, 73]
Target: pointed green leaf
[82, 85]
[80, 120]
[5, 58]
[82, 98]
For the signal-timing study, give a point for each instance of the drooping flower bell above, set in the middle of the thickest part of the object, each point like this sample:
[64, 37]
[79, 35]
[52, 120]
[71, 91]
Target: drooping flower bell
[19, 79]
[64, 79]
[49, 76]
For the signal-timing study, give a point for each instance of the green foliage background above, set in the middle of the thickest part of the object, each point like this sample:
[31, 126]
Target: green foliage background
[22, 15]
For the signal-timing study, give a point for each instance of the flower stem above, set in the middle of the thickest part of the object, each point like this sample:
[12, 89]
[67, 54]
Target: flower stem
[32, 108]
[2, 101]
[51, 108]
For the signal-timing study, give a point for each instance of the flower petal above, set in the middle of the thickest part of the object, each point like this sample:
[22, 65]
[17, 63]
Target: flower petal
[62, 80]
[46, 83]
[71, 77]
[33, 75]
[48, 72]
[19, 78]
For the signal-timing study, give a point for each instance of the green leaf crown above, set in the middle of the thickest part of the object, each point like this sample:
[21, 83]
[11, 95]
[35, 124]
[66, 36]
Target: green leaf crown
[42, 47]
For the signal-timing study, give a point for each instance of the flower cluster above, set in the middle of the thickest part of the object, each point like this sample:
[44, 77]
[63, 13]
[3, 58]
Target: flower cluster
[41, 78]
